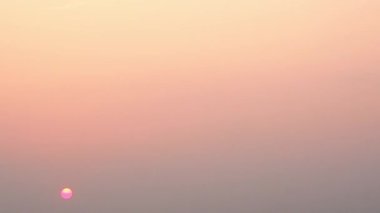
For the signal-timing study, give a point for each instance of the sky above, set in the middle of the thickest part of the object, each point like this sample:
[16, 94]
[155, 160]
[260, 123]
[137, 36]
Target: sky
[199, 106]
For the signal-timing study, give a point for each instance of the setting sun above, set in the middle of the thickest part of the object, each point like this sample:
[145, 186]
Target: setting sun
[66, 194]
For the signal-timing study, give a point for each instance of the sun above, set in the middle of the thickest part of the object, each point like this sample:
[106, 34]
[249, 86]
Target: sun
[66, 193]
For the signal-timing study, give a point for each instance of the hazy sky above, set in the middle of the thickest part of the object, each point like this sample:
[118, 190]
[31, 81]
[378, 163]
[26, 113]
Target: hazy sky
[202, 106]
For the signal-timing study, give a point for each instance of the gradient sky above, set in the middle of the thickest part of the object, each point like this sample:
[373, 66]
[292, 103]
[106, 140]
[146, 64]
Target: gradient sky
[202, 106]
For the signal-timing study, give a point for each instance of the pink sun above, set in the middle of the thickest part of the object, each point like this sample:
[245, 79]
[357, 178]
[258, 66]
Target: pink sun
[66, 194]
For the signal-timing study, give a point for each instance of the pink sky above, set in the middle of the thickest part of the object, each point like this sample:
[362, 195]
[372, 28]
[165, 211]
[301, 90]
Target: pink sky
[239, 96]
